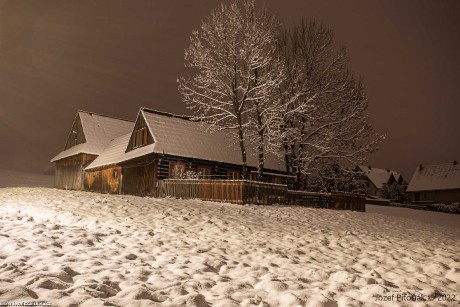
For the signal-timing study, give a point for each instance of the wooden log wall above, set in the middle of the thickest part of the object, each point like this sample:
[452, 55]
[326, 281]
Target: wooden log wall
[139, 176]
[218, 170]
[105, 180]
[70, 172]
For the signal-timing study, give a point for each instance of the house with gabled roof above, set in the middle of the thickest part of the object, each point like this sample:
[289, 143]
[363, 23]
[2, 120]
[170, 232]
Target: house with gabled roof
[376, 178]
[162, 145]
[89, 136]
[436, 183]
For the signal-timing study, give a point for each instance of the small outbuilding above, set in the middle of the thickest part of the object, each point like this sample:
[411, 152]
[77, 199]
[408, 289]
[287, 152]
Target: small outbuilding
[89, 136]
[438, 183]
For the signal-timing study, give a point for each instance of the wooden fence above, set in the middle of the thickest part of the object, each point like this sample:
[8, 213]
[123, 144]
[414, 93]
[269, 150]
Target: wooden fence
[259, 193]
[334, 200]
[232, 191]
[348, 201]
[308, 199]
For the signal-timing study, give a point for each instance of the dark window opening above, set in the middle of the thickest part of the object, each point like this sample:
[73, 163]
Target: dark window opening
[140, 137]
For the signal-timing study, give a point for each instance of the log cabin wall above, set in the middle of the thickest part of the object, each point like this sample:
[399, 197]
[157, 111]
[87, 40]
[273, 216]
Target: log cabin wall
[218, 170]
[139, 176]
[106, 180]
[70, 172]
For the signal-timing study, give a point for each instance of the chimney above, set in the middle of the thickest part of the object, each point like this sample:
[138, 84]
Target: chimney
[420, 167]
[370, 167]
[455, 162]
[388, 170]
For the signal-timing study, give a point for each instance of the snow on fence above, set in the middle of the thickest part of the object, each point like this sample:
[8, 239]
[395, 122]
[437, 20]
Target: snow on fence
[259, 193]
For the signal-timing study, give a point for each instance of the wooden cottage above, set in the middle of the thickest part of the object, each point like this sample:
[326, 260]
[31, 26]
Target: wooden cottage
[435, 183]
[89, 136]
[161, 145]
[376, 178]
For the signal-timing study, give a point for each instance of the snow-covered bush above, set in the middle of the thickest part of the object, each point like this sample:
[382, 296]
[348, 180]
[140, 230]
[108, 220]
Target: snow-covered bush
[395, 192]
[448, 208]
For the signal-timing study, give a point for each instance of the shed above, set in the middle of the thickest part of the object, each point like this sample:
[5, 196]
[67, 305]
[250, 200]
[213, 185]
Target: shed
[89, 136]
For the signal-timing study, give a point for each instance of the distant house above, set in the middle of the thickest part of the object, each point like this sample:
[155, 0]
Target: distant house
[376, 178]
[159, 146]
[89, 136]
[436, 183]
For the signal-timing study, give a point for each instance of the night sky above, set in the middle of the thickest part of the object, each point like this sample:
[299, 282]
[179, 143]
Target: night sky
[113, 57]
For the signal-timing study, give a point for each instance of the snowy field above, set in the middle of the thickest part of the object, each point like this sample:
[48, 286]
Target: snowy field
[10, 178]
[84, 249]
[433, 217]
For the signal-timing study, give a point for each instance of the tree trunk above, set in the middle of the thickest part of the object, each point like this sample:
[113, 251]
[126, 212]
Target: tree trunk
[244, 163]
[260, 147]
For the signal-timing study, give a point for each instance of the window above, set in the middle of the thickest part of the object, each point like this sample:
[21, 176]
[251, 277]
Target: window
[204, 172]
[234, 175]
[115, 173]
[140, 137]
[176, 170]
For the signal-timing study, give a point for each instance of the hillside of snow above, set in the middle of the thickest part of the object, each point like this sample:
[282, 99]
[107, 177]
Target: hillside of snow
[84, 249]
[9, 178]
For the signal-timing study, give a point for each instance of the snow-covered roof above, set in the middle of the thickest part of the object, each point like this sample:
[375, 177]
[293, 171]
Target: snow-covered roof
[179, 136]
[115, 153]
[435, 177]
[378, 176]
[99, 130]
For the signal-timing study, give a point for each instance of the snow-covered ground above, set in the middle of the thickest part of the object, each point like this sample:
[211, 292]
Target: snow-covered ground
[10, 178]
[85, 249]
[433, 217]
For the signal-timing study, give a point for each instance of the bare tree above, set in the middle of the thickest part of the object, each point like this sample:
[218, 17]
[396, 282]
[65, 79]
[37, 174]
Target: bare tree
[230, 79]
[321, 111]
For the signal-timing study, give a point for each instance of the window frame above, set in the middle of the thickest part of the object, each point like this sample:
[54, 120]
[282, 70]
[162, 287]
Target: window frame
[231, 173]
[205, 167]
[253, 177]
[171, 164]
[140, 137]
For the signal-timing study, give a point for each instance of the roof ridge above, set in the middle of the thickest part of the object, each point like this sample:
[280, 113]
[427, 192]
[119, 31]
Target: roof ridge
[104, 115]
[384, 170]
[439, 164]
[168, 114]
